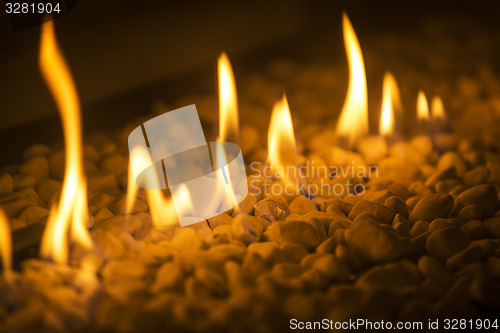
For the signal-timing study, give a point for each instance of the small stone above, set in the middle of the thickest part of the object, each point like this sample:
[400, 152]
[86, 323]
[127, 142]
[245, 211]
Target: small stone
[6, 183]
[484, 196]
[382, 213]
[36, 150]
[398, 205]
[345, 256]
[491, 227]
[402, 169]
[493, 264]
[187, 239]
[465, 257]
[100, 200]
[168, 277]
[452, 159]
[268, 251]
[48, 187]
[344, 206]
[272, 209]
[102, 182]
[477, 176]
[419, 228]
[119, 206]
[473, 229]
[118, 224]
[302, 205]
[455, 192]
[246, 206]
[301, 232]
[57, 164]
[230, 251]
[37, 167]
[433, 269]
[15, 207]
[23, 181]
[221, 219]
[370, 242]
[439, 175]
[440, 223]
[327, 246]
[445, 242]
[338, 224]
[102, 214]
[116, 164]
[402, 274]
[32, 195]
[432, 207]
[411, 202]
[447, 185]
[32, 214]
[471, 212]
[249, 139]
[402, 229]
[373, 148]
[378, 196]
[246, 228]
[333, 268]
[293, 252]
[418, 188]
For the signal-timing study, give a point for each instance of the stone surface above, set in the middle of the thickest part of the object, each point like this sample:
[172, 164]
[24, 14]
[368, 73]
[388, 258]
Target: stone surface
[445, 242]
[432, 207]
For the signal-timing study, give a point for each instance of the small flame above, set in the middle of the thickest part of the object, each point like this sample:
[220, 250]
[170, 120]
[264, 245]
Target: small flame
[5, 243]
[228, 103]
[437, 109]
[422, 107]
[72, 212]
[391, 101]
[282, 150]
[132, 189]
[353, 121]
[187, 208]
[222, 163]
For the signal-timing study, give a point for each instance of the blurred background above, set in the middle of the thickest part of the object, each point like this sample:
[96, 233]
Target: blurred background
[119, 46]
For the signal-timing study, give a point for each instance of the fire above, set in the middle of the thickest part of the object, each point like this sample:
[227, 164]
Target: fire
[282, 150]
[71, 214]
[228, 103]
[131, 191]
[5, 243]
[422, 107]
[221, 163]
[353, 121]
[391, 101]
[437, 109]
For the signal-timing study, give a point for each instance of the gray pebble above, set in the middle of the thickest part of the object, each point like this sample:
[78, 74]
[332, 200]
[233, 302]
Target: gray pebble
[445, 242]
[100, 200]
[432, 207]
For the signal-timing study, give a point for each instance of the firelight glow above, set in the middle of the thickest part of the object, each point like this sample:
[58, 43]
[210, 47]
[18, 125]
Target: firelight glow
[228, 102]
[422, 107]
[391, 101]
[282, 149]
[437, 109]
[71, 214]
[353, 121]
[5, 242]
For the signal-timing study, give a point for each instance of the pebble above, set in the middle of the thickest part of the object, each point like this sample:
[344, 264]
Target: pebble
[370, 242]
[491, 227]
[272, 209]
[419, 228]
[268, 251]
[344, 255]
[327, 246]
[246, 206]
[338, 224]
[452, 159]
[478, 175]
[465, 257]
[293, 252]
[302, 205]
[101, 181]
[401, 169]
[36, 150]
[333, 268]
[440, 223]
[432, 207]
[473, 229]
[57, 164]
[446, 186]
[345, 207]
[402, 274]
[117, 224]
[434, 269]
[102, 214]
[115, 163]
[221, 219]
[382, 213]
[418, 188]
[471, 212]
[32, 214]
[301, 232]
[246, 228]
[6, 183]
[169, 276]
[15, 207]
[48, 187]
[37, 167]
[22, 181]
[398, 205]
[484, 196]
[439, 175]
[100, 200]
[119, 206]
[378, 196]
[373, 148]
[445, 242]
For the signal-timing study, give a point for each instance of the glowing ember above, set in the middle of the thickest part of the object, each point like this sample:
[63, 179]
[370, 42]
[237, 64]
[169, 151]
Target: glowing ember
[228, 103]
[282, 150]
[390, 102]
[422, 107]
[72, 213]
[437, 109]
[5, 242]
[353, 121]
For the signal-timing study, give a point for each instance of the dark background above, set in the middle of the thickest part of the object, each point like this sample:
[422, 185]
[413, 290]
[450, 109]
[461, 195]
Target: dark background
[116, 47]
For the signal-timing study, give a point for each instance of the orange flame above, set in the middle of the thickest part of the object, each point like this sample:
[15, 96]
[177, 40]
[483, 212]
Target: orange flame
[282, 150]
[437, 109]
[353, 121]
[72, 212]
[422, 107]
[131, 191]
[5, 243]
[228, 103]
[390, 101]
[221, 163]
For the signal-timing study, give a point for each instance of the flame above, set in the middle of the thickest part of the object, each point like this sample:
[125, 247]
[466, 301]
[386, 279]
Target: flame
[131, 191]
[72, 213]
[187, 208]
[5, 243]
[437, 109]
[390, 101]
[228, 103]
[222, 163]
[353, 121]
[282, 150]
[422, 107]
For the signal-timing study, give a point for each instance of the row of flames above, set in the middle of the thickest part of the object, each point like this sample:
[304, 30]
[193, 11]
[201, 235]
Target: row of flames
[69, 220]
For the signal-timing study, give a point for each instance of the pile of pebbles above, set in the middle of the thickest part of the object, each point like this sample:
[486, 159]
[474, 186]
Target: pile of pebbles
[422, 241]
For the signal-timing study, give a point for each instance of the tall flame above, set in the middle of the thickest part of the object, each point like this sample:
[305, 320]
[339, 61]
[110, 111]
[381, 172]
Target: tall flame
[353, 121]
[131, 191]
[282, 150]
[228, 103]
[390, 101]
[72, 212]
[5, 242]
[422, 107]
[437, 109]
